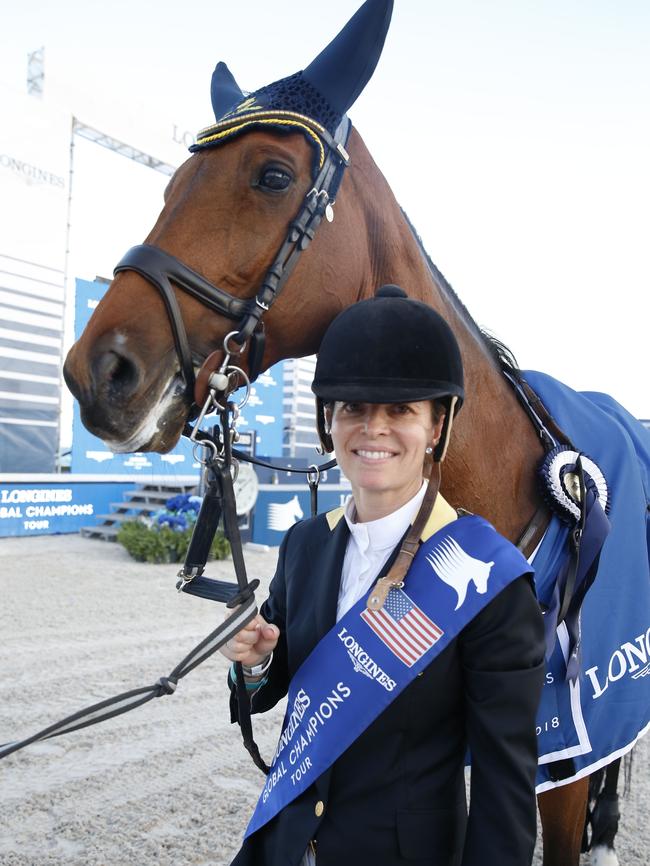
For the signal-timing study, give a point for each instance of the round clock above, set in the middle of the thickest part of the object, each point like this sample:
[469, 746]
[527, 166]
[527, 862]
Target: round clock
[246, 489]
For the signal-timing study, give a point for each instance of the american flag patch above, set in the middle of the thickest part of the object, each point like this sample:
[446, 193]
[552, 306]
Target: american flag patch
[403, 627]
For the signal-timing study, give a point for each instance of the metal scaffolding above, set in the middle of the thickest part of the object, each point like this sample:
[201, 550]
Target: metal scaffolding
[36, 72]
[127, 150]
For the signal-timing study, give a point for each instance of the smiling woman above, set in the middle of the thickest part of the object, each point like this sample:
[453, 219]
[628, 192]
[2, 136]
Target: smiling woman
[434, 610]
[380, 448]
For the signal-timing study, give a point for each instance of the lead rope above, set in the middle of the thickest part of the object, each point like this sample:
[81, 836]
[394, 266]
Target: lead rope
[219, 500]
[122, 703]
[218, 505]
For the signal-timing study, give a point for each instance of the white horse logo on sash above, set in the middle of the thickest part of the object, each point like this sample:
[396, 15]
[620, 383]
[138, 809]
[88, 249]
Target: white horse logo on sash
[457, 568]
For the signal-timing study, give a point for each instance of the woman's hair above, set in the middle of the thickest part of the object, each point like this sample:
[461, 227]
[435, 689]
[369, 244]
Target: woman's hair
[438, 408]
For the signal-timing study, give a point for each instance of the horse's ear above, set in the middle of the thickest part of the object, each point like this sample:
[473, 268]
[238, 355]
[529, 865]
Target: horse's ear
[342, 70]
[224, 91]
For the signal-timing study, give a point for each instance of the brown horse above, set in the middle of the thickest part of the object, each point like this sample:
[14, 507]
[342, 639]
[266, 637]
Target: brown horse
[124, 369]
[226, 214]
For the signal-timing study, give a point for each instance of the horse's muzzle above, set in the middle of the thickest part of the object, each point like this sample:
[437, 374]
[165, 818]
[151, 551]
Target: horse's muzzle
[115, 395]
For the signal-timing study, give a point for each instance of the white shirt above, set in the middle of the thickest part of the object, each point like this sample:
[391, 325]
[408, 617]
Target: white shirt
[369, 546]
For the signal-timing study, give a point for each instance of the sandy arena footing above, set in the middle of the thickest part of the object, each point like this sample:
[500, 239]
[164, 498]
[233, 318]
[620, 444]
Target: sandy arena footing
[169, 783]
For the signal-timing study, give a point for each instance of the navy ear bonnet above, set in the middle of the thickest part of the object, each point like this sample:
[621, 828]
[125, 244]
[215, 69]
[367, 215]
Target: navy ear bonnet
[295, 94]
[312, 101]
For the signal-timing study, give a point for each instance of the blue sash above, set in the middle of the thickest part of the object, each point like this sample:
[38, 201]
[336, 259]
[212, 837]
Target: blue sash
[369, 657]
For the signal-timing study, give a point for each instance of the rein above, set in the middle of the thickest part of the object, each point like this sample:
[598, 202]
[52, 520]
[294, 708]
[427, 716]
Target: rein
[219, 505]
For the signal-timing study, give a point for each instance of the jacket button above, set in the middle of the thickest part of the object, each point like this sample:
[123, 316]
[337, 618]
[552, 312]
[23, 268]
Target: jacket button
[319, 808]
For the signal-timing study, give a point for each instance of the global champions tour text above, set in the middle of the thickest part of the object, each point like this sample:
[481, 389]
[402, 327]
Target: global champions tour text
[297, 764]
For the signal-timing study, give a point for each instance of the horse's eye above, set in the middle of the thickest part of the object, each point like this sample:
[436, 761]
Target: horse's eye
[274, 179]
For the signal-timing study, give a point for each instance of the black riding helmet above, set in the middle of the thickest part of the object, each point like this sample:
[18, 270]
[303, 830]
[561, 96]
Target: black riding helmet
[389, 349]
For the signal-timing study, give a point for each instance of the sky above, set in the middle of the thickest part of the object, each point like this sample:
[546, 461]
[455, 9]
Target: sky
[514, 133]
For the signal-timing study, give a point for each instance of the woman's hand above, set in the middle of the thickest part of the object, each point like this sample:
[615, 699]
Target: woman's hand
[253, 643]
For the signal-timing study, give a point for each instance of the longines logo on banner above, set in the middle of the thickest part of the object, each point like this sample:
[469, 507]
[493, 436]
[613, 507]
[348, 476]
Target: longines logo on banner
[186, 138]
[362, 662]
[631, 659]
[31, 173]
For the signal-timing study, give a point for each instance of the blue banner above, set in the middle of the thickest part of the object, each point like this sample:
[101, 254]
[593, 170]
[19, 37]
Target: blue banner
[89, 454]
[262, 417]
[263, 414]
[47, 508]
[279, 506]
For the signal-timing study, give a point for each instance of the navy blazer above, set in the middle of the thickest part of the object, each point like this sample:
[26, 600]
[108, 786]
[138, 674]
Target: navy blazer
[397, 794]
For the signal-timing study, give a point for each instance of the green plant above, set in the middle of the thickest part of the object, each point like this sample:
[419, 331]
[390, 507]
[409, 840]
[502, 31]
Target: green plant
[166, 536]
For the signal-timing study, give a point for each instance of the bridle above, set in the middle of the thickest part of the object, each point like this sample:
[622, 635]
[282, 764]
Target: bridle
[162, 269]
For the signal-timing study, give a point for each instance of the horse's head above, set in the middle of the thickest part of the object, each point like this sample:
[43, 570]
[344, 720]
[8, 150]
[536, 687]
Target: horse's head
[236, 216]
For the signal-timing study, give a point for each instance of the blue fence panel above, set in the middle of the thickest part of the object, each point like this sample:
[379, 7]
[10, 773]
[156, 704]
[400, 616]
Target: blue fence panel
[50, 508]
[279, 506]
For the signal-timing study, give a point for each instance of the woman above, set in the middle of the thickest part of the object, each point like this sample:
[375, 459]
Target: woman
[404, 634]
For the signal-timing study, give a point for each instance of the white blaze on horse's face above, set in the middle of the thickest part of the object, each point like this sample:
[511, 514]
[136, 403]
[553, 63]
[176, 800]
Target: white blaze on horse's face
[380, 448]
[150, 434]
[152, 424]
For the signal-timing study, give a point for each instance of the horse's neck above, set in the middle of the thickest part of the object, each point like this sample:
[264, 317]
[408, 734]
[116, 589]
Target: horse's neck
[490, 468]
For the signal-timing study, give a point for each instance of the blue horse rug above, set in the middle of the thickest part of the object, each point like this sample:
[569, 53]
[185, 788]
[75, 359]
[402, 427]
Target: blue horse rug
[598, 717]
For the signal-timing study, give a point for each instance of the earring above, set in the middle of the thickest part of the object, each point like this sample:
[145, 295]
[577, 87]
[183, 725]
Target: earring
[428, 450]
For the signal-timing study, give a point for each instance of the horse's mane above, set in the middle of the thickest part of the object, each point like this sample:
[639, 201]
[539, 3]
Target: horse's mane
[498, 351]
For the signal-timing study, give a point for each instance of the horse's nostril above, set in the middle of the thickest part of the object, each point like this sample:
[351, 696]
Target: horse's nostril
[116, 372]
